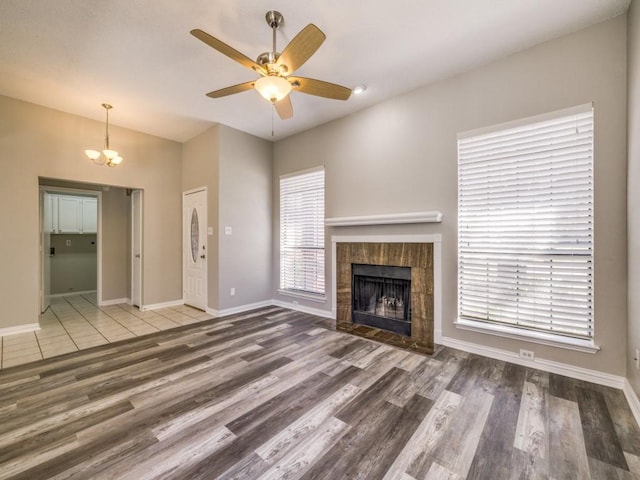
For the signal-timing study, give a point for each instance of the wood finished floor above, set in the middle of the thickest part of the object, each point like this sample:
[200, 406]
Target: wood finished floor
[279, 394]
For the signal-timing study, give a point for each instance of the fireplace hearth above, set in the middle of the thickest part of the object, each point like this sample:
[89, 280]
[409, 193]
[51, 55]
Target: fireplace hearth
[381, 297]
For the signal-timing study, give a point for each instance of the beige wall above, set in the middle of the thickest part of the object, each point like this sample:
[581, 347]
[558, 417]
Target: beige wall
[37, 141]
[74, 267]
[245, 206]
[200, 165]
[400, 156]
[633, 194]
[116, 244]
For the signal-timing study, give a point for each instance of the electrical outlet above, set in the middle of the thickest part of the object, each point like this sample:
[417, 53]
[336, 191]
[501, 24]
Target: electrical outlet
[232, 292]
[527, 354]
[637, 359]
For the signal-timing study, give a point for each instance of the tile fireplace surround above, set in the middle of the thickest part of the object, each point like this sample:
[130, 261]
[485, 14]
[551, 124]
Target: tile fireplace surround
[418, 256]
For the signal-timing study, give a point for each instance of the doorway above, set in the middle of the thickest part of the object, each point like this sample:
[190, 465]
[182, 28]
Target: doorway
[194, 247]
[118, 230]
[70, 243]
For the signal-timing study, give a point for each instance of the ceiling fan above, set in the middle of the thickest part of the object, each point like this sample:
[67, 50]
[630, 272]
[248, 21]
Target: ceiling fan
[276, 69]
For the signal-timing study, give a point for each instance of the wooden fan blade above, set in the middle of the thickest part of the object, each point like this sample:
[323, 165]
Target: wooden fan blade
[225, 49]
[303, 45]
[223, 92]
[319, 88]
[284, 108]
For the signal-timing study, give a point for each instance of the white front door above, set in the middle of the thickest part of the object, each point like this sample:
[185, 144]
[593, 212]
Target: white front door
[136, 248]
[194, 215]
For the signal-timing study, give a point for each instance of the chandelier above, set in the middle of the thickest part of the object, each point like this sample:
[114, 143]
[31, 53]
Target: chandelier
[107, 157]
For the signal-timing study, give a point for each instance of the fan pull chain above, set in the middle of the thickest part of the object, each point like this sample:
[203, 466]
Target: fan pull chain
[273, 107]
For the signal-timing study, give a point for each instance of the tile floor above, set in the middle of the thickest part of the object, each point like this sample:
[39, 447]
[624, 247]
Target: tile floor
[75, 322]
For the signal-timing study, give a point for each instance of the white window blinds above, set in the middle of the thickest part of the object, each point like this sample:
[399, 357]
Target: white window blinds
[302, 232]
[525, 225]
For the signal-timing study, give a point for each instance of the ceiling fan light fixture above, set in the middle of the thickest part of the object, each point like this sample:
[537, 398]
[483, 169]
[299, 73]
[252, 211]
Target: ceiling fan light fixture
[273, 88]
[359, 89]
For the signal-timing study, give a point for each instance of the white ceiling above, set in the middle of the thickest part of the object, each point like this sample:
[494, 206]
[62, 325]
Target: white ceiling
[138, 55]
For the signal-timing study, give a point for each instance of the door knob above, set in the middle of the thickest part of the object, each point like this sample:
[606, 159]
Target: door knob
[137, 255]
[201, 256]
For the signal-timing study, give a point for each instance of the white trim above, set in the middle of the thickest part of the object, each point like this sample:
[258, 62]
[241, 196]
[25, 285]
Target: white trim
[585, 107]
[303, 308]
[115, 301]
[26, 328]
[572, 371]
[156, 306]
[239, 309]
[436, 239]
[515, 333]
[385, 219]
[69, 294]
[305, 296]
[632, 399]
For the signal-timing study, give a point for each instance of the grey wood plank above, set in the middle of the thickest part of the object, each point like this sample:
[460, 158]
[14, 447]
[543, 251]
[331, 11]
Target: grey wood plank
[494, 454]
[567, 452]
[600, 437]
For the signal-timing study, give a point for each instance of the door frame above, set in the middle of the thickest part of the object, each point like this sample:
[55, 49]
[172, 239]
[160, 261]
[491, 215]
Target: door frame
[137, 193]
[186, 241]
[72, 191]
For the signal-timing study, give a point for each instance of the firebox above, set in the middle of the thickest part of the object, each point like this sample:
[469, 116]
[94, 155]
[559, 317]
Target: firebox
[381, 297]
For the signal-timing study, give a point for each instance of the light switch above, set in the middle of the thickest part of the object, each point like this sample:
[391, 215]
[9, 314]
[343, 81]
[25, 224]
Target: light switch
[68, 243]
[227, 230]
[209, 230]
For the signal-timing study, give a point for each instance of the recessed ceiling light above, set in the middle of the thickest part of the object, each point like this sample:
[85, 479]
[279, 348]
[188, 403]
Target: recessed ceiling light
[358, 89]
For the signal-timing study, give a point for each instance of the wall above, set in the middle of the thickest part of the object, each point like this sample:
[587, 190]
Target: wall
[200, 161]
[245, 205]
[116, 244]
[37, 141]
[400, 156]
[74, 265]
[633, 194]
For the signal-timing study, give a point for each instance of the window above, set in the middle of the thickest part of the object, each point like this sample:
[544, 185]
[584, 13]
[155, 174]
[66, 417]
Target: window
[525, 225]
[302, 232]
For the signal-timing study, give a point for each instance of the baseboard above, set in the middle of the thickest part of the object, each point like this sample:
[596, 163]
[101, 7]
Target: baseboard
[239, 309]
[632, 399]
[156, 306]
[29, 327]
[115, 301]
[69, 294]
[578, 373]
[302, 308]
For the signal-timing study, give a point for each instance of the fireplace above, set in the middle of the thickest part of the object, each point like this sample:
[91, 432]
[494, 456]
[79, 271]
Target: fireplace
[384, 291]
[381, 296]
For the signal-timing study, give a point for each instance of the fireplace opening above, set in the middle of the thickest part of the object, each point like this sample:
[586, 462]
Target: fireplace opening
[381, 297]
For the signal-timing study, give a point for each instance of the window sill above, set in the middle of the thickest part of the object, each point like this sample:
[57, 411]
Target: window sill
[306, 296]
[528, 336]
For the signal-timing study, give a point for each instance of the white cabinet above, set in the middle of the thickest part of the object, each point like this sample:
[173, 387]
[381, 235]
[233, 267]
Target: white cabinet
[71, 214]
[89, 209]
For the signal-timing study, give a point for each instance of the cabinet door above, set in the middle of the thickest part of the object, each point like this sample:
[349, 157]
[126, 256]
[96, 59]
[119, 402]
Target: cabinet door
[89, 215]
[68, 214]
[51, 213]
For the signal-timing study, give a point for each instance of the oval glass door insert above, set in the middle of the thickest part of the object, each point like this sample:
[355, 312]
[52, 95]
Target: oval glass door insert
[195, 235]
